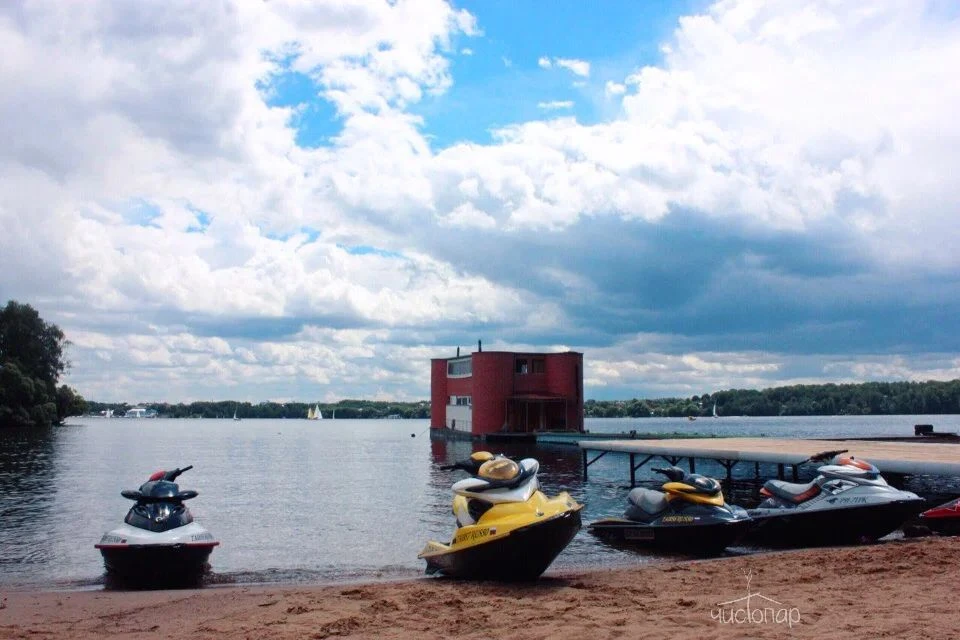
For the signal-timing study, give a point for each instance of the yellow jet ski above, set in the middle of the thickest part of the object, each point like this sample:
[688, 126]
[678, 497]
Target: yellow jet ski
[507, 529]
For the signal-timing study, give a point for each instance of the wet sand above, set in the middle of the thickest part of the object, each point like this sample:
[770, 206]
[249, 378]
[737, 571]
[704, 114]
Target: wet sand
[898, 589]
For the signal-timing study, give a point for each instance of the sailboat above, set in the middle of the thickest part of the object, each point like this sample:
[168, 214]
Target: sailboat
[715, 410]
[313, 413]
[235, 414]
[319, 413]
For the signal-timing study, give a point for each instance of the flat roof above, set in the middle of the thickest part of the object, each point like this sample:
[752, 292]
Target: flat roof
[512, 353]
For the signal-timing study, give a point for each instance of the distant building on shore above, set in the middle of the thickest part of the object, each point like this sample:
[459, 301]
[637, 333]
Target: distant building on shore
[489, 392]
[140, 412]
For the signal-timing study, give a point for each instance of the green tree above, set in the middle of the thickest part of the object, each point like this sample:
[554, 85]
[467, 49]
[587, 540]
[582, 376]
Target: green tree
[31, 361]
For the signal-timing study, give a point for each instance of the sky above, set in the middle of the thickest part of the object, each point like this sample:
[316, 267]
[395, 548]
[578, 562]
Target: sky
[308, 201]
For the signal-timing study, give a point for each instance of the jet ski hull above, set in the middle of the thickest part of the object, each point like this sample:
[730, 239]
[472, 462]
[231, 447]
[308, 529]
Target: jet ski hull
[847, 525]
[523, 554]
[157, 564]
[943, 520]
[695, 539]
[141, 558]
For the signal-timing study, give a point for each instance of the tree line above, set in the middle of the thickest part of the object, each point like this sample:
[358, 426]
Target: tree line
[868, 398]
[352, 409]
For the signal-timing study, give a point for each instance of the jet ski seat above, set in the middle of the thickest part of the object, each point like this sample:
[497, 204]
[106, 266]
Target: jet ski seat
[643, 503]
[796, 492]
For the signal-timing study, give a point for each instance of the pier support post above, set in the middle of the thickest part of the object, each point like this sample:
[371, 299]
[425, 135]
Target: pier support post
[728, 465]
[796, 475]
[587, 463]
[693, 466]
[634, 467]
[780, 471]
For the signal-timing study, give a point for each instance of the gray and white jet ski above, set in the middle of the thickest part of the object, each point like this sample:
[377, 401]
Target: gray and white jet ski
[848, 502]
[159, 544]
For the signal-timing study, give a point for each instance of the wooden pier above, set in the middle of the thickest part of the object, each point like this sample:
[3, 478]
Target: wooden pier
[904, 458]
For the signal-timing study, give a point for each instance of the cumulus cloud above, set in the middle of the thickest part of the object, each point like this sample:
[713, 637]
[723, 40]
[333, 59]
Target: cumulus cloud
[612, 88]
[577, 67]
[778, 187]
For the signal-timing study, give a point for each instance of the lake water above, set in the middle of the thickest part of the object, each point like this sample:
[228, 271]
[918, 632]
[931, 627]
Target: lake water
[296, 501]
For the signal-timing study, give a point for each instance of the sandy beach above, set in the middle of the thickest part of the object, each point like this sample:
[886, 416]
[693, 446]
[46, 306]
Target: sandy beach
[898, 589]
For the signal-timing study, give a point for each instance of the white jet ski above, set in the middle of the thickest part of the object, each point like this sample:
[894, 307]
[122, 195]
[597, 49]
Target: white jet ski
[848, 502]
[159, 544]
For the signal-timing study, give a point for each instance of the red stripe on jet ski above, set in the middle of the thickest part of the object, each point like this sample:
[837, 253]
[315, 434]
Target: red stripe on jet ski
[141, 546]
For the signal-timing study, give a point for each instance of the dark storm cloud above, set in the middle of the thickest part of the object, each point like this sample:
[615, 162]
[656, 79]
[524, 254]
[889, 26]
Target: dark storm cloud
[714, 286]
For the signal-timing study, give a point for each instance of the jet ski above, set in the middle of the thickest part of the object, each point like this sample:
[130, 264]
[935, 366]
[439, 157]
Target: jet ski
[848, 502]
[507, 529]
[159, 544]
[689, 516]
[944, 520]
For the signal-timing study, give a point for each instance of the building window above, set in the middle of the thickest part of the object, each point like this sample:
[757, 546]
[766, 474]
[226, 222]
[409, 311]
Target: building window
[460, 368]
[461, 401]
[538, 365]
[521, 366]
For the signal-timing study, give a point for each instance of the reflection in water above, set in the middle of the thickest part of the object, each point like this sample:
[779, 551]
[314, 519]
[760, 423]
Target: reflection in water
[27, 458]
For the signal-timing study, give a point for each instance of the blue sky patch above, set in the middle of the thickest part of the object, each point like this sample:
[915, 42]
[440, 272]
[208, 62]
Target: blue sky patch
[316, 119]
[487, 94]
[203, 221]
[141, 213]
[365, 250]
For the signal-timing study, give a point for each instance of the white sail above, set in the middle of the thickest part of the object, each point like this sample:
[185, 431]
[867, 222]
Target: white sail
[310, 414]
[319, 413]
[715, 410]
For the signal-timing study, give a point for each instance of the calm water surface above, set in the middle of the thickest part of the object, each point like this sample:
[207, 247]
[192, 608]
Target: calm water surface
[298, 501]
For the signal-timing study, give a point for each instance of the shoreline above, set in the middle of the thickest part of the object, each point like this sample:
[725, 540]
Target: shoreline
[900, 588]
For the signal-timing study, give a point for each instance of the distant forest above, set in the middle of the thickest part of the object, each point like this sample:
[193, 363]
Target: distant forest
[226, 408]
[870, 398]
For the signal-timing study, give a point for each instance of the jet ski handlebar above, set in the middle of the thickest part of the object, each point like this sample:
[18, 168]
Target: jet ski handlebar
[466, 465]
[674, 474]
[172, 475]
[824, 455]
[471, 465]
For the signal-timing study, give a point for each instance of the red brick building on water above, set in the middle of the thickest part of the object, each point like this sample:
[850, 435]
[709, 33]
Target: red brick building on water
[489, 392]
